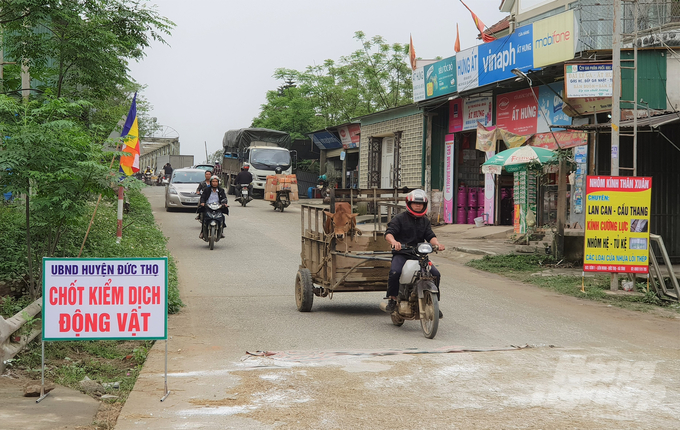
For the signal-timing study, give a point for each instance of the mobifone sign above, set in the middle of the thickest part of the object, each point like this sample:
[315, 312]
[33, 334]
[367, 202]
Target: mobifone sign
[554, 39]
[85, 299]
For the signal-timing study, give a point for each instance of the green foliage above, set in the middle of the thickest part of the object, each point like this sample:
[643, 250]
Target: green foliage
[524, 268]
[78, 47]
[311, 166]
[511, 262]
[372, 78]
[10, 306]
[48, 157]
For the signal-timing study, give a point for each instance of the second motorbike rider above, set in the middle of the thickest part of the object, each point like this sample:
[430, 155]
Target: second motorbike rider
[214, 194]
[199, 190]
[243, 177]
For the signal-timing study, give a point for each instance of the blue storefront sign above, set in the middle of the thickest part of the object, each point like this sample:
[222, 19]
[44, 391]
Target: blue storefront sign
[326, 140]
[440, 78]
[498, 58]
[551, 103]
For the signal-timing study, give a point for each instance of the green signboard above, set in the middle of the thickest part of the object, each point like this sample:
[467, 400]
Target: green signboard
[440, 78]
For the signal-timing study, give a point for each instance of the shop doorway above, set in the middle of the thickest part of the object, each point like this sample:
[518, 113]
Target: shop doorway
[387, 164]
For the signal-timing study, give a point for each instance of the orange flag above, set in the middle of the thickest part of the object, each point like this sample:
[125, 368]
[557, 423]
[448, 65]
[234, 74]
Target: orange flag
[412, 54]
[480, 25]
[456, 47]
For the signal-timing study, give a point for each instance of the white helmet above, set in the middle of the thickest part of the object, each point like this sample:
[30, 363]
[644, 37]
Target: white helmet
[416, 196]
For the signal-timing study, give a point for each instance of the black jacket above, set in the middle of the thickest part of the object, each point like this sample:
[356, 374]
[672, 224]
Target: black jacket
[410, 230]
[202, 186]
[243, 177]
[205, 194]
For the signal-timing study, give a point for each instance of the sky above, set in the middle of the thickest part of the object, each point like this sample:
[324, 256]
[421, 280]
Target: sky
[214, 73]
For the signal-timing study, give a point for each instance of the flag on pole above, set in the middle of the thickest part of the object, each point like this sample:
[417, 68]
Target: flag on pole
[412, 53]
[480, 25]
[456, 46]
[129, 164]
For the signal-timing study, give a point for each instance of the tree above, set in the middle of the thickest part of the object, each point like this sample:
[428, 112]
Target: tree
[79, 48]
[47, 156]
[287, 109]
[373, 78]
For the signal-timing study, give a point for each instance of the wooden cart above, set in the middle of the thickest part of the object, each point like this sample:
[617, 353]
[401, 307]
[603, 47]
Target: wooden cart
[357, 263]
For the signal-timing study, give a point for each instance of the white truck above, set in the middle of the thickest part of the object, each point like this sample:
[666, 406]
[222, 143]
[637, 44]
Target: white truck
[176, 161]
[261, 149]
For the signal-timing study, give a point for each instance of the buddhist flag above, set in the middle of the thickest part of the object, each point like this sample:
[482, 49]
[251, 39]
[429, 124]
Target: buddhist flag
[456, 47]
[412, 54]
[129, 164]
[480, 25]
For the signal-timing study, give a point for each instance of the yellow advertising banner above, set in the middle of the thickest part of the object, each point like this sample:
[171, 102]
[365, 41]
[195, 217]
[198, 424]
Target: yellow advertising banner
[554, 39]
[617, 224]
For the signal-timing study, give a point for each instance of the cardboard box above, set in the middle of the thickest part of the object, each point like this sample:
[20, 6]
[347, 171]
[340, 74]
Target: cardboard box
[294, 196]
[270, 196]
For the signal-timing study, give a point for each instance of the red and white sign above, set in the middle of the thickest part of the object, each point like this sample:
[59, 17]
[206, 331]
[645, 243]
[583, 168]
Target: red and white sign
[517, 112]
[464, 114]
[105, 298]
[350, 135]
[566, 139]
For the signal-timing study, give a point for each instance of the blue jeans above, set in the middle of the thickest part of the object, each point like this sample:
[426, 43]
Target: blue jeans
[398, 261]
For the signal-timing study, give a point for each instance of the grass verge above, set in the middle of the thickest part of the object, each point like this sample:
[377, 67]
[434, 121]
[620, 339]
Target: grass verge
[527, 268]
[68, 363]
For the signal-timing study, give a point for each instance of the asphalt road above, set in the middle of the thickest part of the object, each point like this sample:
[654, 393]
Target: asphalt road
[345, 365]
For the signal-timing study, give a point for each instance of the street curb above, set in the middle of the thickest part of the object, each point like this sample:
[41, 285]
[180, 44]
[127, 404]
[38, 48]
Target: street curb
[473, 251]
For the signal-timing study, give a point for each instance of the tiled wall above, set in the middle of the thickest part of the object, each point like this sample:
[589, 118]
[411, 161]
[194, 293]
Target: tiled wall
[411, 148]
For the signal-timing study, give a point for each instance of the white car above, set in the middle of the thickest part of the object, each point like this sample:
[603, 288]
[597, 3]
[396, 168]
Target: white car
[180, 192]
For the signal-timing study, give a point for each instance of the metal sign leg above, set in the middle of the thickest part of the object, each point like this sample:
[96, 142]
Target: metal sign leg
[167, 393]
[42, 384]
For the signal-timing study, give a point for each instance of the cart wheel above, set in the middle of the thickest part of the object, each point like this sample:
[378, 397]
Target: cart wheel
[397, 320]
[304, 290]
[430, 323]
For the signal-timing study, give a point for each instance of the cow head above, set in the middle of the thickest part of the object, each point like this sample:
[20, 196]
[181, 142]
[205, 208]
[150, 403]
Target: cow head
[341, 223]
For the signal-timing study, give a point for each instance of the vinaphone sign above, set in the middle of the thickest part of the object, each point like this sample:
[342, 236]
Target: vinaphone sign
[548, 41]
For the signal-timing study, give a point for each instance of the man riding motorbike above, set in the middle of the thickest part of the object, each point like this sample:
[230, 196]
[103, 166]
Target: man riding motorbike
[214, 194]
[199, 190]
[409, 228]
[243, 177]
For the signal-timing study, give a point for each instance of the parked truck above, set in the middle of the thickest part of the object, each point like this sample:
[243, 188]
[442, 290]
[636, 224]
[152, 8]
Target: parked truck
[176, 161]
[261, 149]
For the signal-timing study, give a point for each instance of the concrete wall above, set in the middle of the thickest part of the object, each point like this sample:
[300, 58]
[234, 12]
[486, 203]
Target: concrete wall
[411, 147]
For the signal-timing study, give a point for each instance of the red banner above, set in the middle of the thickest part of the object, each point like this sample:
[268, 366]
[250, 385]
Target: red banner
[517, 112]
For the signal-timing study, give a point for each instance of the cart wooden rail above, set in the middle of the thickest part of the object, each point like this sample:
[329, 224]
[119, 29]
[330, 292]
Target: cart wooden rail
[357, 263]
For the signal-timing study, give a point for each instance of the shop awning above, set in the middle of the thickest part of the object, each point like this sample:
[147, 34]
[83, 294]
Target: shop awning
[647, 122]
[326, 140]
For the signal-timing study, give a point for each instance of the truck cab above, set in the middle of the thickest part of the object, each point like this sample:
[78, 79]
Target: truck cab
[263, 160]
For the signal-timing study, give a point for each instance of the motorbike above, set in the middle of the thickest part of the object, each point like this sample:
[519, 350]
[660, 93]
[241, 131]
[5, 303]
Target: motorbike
[147, 178]
[243, 195]
[213, 222]
[322, 187]
[282, 200]
[418, 294]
